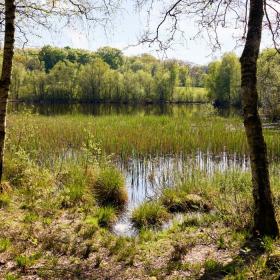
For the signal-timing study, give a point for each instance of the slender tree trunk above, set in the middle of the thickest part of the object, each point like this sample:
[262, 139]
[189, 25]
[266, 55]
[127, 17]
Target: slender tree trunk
[5, 80]
[264, 215]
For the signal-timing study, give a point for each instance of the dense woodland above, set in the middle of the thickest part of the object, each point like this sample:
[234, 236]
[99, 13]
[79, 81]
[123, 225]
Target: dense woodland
[69, 75]
[107, 75]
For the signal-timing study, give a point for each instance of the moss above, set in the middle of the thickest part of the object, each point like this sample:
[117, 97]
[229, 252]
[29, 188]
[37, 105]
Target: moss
[109, 188]
[149, 214]
[176, 200]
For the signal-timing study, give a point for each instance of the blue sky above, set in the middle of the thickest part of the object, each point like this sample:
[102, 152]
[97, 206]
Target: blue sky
[124, 31]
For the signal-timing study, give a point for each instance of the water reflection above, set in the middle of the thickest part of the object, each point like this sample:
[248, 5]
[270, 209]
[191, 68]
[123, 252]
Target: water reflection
[145, 177]
[51, 109]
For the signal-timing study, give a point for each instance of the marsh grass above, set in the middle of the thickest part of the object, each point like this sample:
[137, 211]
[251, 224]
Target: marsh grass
[176, 200]
[149, 214]
[52, 173]
[106, 216]
[109, 188]
[130, 135]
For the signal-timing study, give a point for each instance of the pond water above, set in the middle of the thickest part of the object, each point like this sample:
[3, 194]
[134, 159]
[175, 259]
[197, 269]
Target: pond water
[50, 109]
[145, 177]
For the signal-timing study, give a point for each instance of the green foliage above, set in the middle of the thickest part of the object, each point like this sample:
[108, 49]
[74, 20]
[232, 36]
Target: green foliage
[24, 261]
[268, 244]
[5, 200]
[111, 56]
[191, 95]
[224, 79]
[109, 188]
[212, 265]
[127, 135]
[149, 214]
[50, 56]
[5, 243]
[269, 82]
[91, 226]
[106, 216]
[11, 276]
[55, 74]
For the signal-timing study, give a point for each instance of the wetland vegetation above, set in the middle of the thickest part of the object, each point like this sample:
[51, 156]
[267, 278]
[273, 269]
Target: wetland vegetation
[135, 167]
[177, 178]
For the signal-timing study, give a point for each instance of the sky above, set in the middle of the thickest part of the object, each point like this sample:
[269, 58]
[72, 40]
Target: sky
[124, 33]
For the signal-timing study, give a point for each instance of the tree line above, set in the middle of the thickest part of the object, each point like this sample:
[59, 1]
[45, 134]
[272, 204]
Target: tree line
[223, 82]
[66, 74]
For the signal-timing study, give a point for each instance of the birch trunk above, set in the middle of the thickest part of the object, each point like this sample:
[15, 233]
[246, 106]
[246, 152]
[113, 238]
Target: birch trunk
[264, 214]
[5, 80]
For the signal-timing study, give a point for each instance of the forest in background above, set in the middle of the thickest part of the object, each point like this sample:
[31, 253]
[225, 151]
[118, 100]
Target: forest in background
[65, 74]
[74, 75]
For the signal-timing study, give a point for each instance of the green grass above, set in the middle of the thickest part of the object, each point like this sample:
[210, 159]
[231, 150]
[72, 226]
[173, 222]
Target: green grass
[52, 205]
[126, 135]
[109, 188]
[106, 216]
[5, 243]
[149, 214]
[176, 200]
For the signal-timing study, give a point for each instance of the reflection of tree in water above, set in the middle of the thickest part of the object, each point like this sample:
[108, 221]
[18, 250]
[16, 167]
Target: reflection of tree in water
[120, 109]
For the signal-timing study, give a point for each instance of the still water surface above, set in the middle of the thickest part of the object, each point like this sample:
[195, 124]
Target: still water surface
[145, 177]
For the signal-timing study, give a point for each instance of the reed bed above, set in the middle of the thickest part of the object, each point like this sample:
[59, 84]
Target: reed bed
[136, 135]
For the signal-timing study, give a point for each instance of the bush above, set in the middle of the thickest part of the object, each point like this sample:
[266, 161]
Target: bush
[149, 214]
[109, 188]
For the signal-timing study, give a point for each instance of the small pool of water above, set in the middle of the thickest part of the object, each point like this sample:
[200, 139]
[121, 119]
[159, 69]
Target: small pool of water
[146, 177]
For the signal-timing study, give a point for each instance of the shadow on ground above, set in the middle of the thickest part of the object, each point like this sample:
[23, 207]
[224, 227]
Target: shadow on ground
[248, 254]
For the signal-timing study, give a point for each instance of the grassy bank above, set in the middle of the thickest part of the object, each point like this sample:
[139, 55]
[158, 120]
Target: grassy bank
[53, 227]
[62, 195]
[133, 135]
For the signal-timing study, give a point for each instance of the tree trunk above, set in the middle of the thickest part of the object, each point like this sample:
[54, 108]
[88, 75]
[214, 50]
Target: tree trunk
[264, 214]
[5, 80]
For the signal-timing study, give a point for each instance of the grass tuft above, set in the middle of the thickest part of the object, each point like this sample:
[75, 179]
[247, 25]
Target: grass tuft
[149, 214]
[109, 188]
[106, 216]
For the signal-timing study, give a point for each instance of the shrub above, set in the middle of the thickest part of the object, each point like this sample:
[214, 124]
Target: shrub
[149, 214]
[109, 188]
